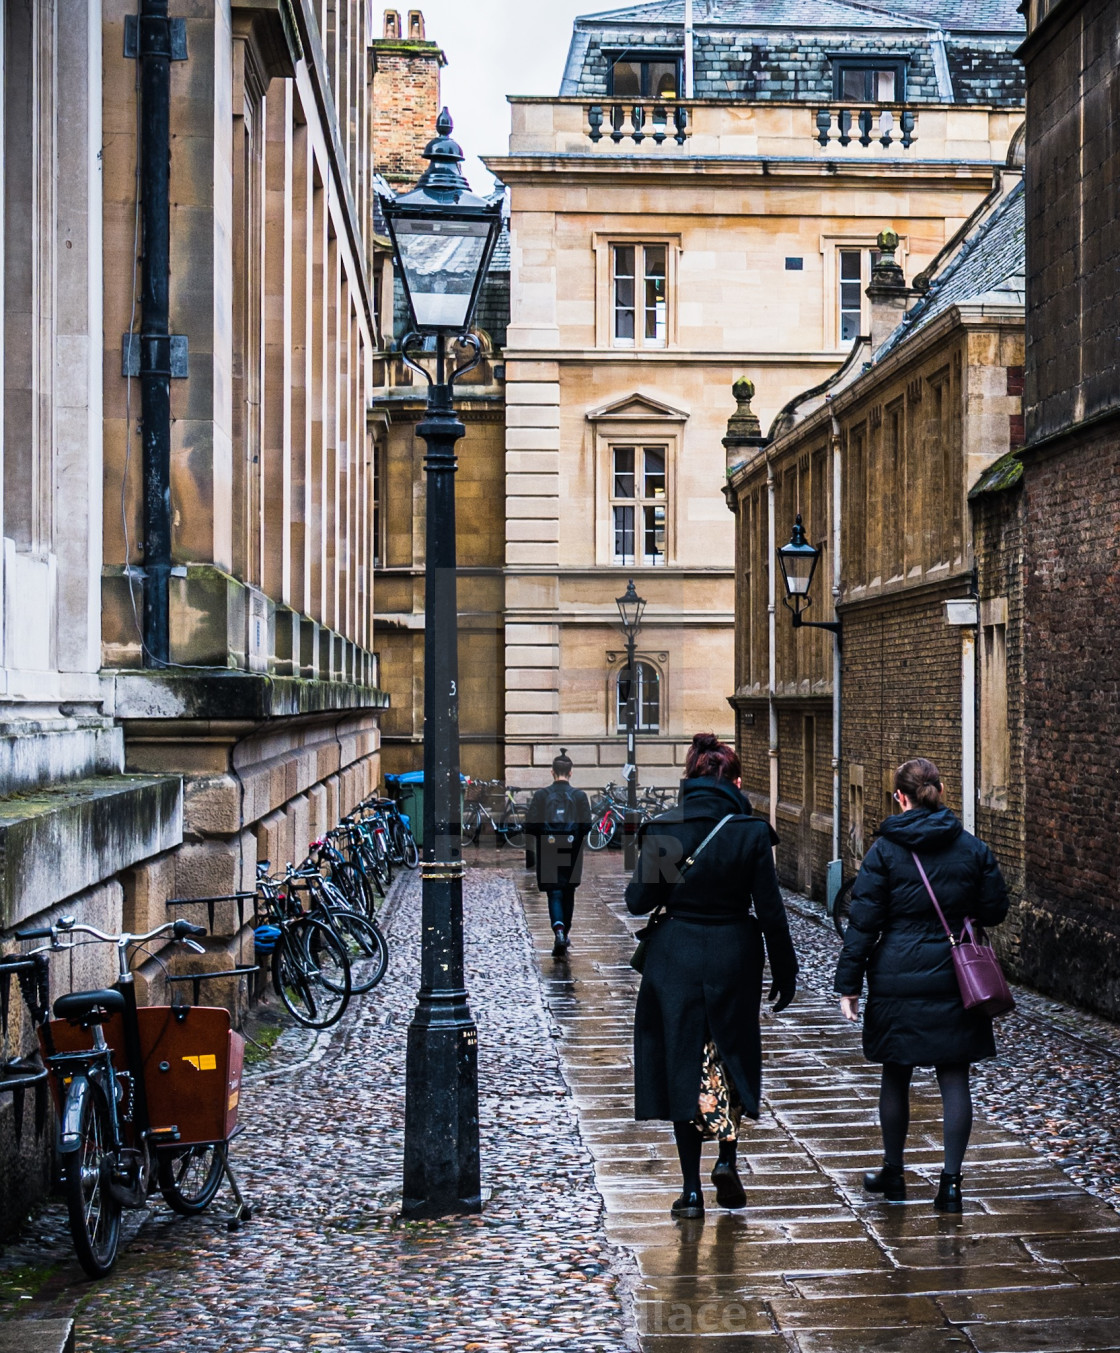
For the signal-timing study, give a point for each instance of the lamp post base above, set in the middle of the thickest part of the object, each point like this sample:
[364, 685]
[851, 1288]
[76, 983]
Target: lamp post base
[441, 1156]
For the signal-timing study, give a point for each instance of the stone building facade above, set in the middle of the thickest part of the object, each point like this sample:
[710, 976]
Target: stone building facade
[661, 246]
[122, 784]
[407, 88]
[879, 462]
[1069, 504]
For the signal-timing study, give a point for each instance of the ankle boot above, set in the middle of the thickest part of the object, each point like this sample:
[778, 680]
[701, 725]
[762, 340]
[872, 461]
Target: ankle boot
[949, 1197]
[729, 1187]
[560, 947]
[689, 1205]
[889, 1181]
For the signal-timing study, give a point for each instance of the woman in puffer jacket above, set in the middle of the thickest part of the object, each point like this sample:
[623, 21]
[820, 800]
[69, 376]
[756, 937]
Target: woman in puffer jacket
[915, 1016]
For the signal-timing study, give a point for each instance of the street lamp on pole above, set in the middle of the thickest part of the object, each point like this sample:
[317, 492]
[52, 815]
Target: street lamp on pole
[631, 608]
[443, 238]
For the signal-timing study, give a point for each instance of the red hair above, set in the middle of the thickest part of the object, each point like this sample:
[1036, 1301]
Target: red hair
[712, 759]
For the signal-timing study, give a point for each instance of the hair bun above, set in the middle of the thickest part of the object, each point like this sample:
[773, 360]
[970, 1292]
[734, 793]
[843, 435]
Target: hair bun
[705, 742]
[563, 751]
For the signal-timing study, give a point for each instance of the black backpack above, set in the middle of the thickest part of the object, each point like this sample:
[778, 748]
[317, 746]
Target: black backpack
[559, 811]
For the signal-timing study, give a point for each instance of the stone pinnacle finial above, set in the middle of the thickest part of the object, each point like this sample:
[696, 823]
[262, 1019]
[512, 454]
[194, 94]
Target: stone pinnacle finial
[744, 431]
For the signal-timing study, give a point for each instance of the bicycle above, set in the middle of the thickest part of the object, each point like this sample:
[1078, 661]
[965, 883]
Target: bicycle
[608, 820]
[366, 950]
[403, 850]
[309, 965]
[145, 1096]
[509, 824]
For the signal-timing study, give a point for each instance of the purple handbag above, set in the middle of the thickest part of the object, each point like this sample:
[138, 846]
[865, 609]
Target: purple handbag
[979, 976]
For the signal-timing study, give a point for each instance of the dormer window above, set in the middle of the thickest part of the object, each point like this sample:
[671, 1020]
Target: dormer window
[646, 77]
[868, 79]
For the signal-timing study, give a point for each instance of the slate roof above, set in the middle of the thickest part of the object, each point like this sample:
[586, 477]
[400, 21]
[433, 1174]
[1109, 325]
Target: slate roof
[990, 266]
[995, 16]
[956, 51]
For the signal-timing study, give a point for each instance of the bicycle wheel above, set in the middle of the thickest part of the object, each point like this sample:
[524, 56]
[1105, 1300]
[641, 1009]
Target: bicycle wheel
[189, 1179]
[365, 948]
[411, 850]
[602, 830]
[95, 1215]
[513, 825]
[311, 973]
[472, 823]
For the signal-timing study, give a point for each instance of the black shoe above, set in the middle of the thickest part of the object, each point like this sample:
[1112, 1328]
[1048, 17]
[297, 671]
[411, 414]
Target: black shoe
[889, 1181]
[949, 1194]
[560, 948]
[688, 1206]
[729, 1187]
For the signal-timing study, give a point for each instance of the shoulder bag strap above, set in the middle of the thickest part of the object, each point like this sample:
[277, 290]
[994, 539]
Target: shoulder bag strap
[933, 899]
[706, 841]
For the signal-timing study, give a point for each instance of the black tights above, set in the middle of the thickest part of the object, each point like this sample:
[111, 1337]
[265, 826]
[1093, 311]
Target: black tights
[956, 1104]
[689, 1145]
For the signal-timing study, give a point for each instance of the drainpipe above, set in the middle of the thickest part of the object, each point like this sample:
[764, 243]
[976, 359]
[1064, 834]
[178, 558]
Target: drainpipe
[772, 608]
[155, 339]
[689, 68]
[836, 479]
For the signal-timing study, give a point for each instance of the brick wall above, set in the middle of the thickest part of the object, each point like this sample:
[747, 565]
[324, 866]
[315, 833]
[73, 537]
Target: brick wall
[1073, 245]
[1071, 922]
[405, 106]
[901, 697]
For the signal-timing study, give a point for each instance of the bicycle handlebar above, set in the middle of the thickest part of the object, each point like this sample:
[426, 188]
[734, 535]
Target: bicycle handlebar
[68, 925]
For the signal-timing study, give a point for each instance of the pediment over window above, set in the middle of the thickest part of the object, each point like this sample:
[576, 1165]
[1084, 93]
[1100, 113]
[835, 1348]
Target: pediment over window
[637, 408]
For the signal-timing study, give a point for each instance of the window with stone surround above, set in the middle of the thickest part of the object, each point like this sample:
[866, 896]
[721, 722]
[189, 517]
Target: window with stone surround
[639, 504]
[647, 697]
[854, 317]
[640, 295]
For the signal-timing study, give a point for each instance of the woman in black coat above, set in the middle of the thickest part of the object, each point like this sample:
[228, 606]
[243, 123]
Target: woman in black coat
[697, 1046]
[915, 1016]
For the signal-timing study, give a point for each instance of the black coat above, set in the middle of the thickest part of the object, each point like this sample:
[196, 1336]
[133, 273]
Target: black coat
[914, 1012]
[558, 819]
[703, 971]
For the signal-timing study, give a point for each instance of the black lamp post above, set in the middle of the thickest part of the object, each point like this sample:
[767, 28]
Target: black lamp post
[798, 562]
[631, 608]
[443, 239]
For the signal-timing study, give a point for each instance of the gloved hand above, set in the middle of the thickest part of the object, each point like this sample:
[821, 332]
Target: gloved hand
[782, 993]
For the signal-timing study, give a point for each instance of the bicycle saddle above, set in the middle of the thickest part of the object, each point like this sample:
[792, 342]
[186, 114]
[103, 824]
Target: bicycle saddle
[89, 1007]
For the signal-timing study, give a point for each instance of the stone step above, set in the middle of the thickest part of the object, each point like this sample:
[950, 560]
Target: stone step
[36, 1336]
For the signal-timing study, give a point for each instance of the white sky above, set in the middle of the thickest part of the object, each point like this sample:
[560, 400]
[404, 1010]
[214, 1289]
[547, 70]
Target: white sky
[495, 48]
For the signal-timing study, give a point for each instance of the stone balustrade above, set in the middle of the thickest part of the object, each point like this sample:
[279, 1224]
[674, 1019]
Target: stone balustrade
[656, 123]
[711, 129]
[866, 126]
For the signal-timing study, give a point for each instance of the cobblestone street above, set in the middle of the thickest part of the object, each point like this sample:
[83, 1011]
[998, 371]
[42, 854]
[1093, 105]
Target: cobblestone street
[575, 1249]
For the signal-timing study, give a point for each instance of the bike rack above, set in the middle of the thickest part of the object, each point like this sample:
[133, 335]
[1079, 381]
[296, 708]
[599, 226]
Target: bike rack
[211, 902]
[197, 978]
[20, 1074]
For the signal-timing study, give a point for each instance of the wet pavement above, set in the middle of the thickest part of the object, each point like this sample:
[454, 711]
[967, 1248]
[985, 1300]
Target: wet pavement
[812, 1263]
[575, 1249]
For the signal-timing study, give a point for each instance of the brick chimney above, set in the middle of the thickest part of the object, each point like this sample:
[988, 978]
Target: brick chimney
[405, 97]
[888, 292]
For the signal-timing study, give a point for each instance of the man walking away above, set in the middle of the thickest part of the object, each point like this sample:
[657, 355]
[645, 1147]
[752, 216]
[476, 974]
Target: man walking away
[558, 821]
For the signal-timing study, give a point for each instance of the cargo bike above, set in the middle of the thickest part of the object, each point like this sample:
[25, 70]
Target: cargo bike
[146, 1096]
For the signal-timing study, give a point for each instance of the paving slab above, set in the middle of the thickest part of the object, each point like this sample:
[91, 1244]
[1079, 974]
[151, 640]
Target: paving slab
[813, 1264]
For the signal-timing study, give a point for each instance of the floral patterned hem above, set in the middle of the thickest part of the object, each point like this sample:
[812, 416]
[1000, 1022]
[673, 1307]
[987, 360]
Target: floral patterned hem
[720, 1110]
